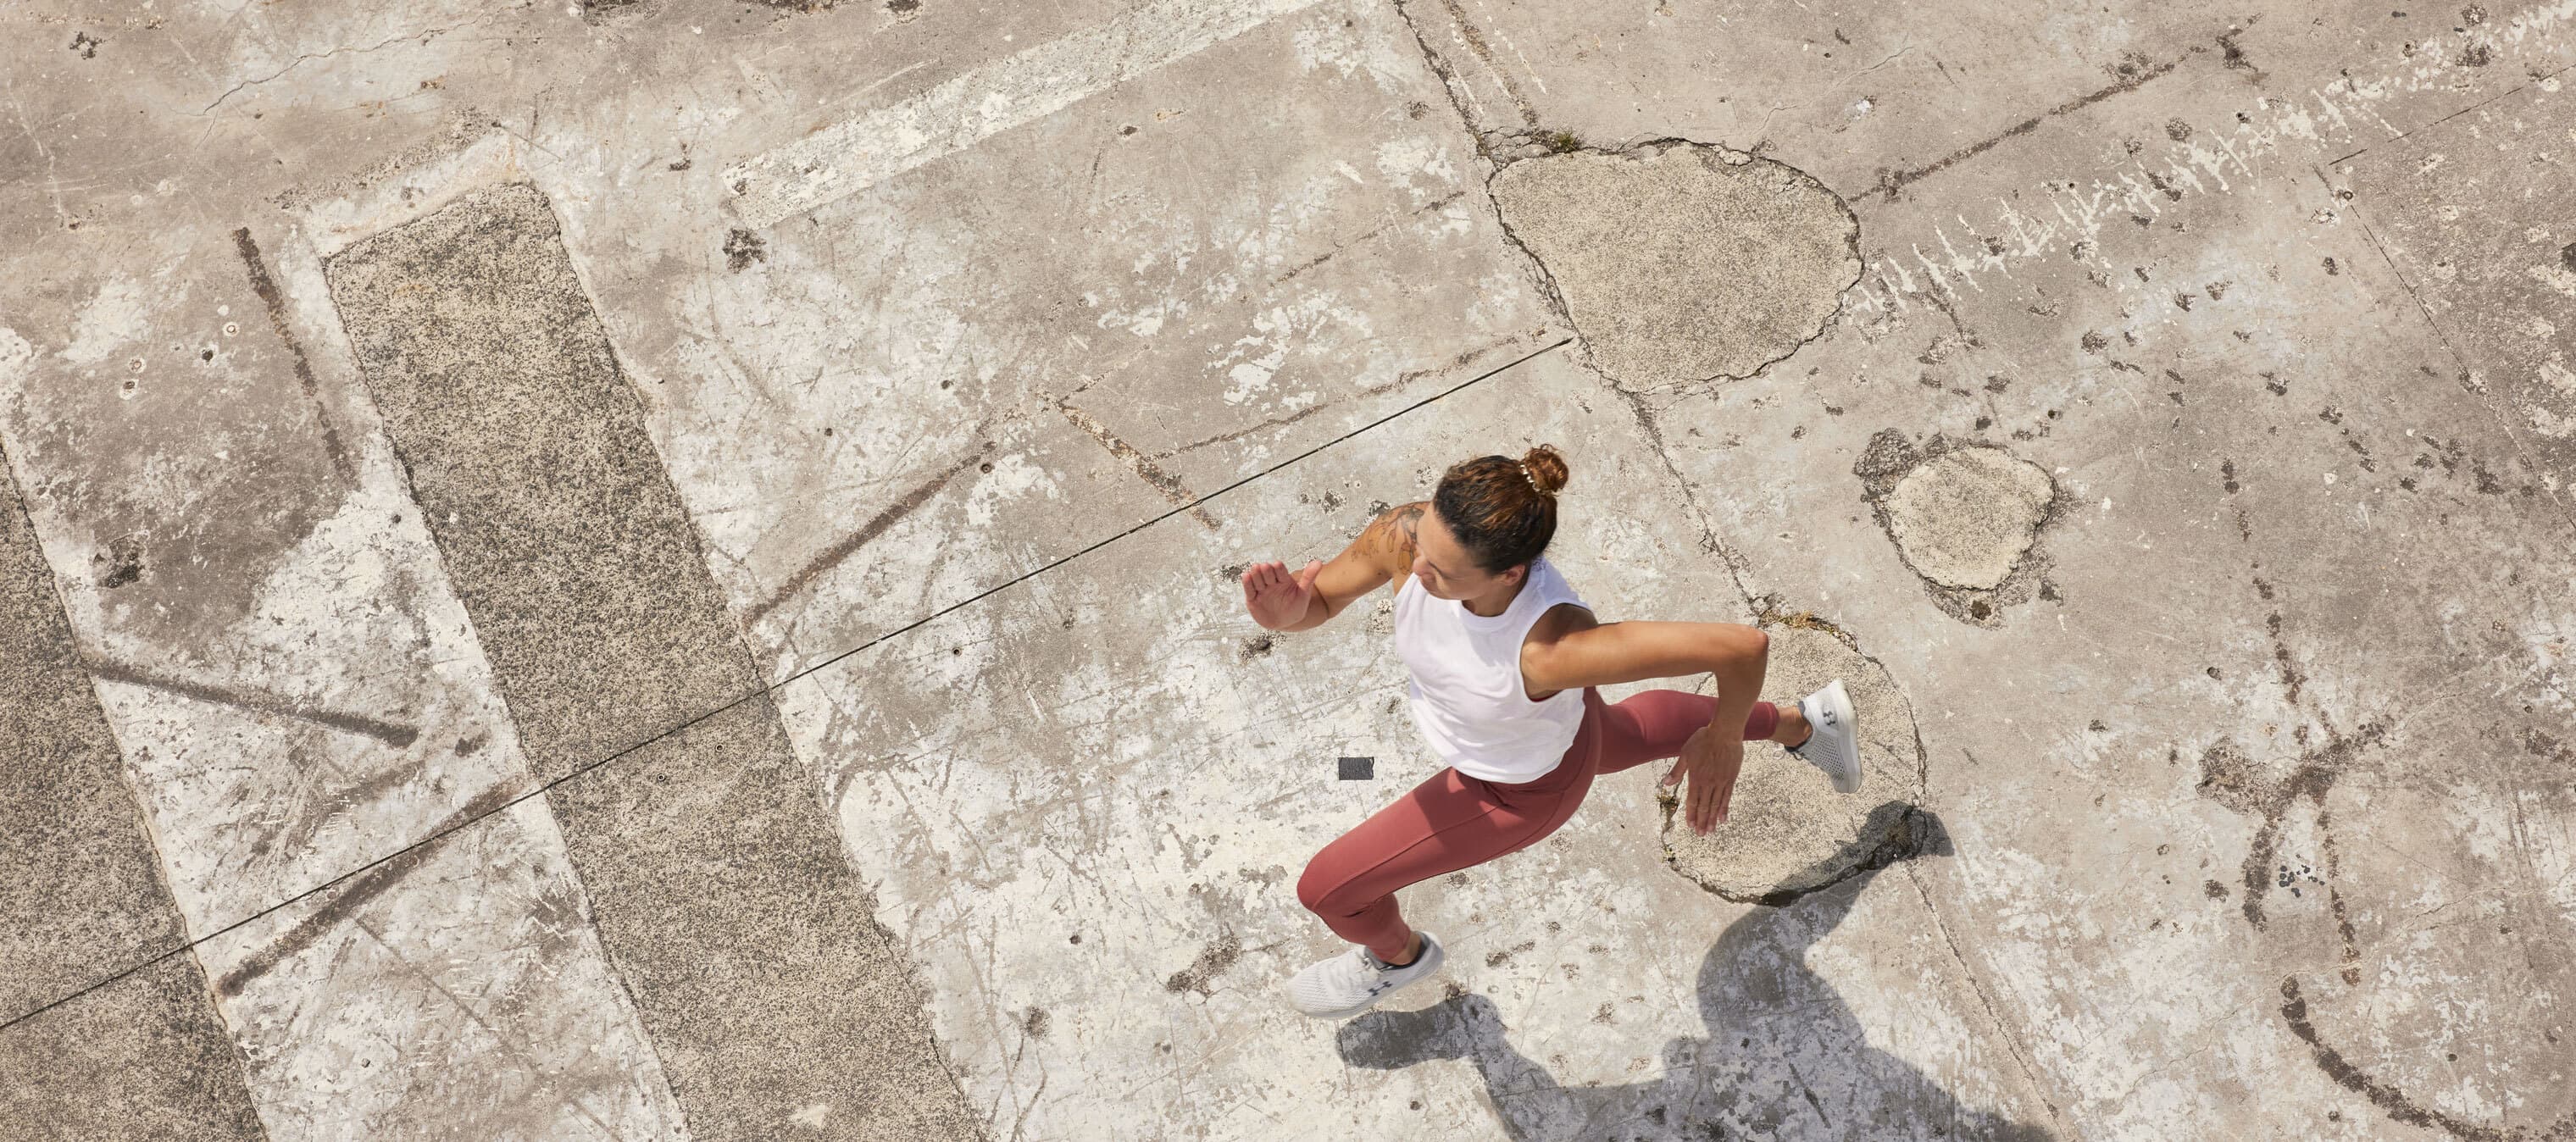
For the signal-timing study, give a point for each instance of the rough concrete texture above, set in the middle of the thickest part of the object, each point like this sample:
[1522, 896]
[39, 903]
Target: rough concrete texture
[76, 838]
[321, 714]
[71, 820]
[1964, 518]
[527, 449]
[142, 1058]
[2246, 794]
[1682, 263]
[1787, 832]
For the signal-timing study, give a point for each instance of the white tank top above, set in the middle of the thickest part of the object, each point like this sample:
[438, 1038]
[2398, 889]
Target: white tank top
[1466, 692]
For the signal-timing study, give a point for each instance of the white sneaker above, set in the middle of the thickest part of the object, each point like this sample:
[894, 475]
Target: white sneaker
[1833, 739]
[1354, 981]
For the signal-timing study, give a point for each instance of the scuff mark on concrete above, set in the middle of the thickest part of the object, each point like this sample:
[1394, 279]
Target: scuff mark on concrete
[848, 545]
[266, 287]
[1146, 469]
[2390, 1100]
[358, 889]
[390, 733]
[1211, 963]
[2232, 779]
[1894, 182]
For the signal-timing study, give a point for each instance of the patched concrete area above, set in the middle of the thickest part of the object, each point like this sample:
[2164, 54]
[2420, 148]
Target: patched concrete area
[1682, 263]
[1962, 516]
[666, 569]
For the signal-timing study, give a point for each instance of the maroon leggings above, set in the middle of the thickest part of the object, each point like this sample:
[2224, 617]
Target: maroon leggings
[1453, 821]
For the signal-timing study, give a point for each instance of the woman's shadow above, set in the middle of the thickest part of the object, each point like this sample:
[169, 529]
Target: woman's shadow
[1784, 1057]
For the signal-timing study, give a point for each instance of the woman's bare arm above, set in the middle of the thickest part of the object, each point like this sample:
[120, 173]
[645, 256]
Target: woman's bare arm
[1633, 652]
[1383, 552]
[1611, 653]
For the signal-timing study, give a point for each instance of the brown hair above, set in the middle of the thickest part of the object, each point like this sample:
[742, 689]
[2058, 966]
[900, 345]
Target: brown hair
[1502, 510]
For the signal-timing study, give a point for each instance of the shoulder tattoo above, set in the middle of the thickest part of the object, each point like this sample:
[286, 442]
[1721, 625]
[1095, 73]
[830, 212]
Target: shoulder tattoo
[1392, 537]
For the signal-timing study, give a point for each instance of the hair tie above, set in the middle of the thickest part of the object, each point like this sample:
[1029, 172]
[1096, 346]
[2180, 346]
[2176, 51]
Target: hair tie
[1533, 480]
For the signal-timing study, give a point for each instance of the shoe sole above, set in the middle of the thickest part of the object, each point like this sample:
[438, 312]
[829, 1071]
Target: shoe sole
[1847, 777]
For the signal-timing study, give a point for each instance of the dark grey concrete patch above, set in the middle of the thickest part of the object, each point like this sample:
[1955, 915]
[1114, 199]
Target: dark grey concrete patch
[721, 893]
[1681, 263]
[80, 889]
[717, 881]
[141, 1058]
[527, 451]
[1787, 832]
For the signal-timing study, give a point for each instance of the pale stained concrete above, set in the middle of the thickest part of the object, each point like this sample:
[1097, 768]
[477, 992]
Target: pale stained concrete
[1682, 263]
[1964, 518]
[1787, 831]
[961, 112]
[2505, 295]
[2252, 782]
[72, 822]
[1042, 943]
[1061, 323]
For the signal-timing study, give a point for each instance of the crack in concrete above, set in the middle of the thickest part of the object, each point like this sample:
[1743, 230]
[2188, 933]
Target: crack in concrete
[1474, 38]
[1407, 377]
[2030, 1071]
[301, 57]
[1450, 84]
[1890, 184]
[486, 805]
[1373, 232]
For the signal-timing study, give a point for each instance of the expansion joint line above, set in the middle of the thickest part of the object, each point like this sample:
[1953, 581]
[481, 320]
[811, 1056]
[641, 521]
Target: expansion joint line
[496, 801]
[2012, 1044]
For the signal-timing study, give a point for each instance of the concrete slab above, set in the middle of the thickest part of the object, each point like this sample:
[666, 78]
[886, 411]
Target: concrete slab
[81, 898]
[2246, 563]
[298, 696]
[2251, 772]
[746, 945]
[1091, 317]
[992, 759]
[1788, 833]
[1682, 264]
[77, 831]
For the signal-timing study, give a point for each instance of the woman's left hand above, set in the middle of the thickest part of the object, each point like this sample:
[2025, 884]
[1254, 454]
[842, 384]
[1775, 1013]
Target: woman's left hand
[1710, 761]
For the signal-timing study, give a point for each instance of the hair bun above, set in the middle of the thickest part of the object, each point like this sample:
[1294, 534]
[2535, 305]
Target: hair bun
[1546, 467]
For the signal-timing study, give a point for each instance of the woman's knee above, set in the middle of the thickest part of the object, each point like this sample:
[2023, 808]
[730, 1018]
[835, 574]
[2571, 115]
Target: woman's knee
[1316, 887]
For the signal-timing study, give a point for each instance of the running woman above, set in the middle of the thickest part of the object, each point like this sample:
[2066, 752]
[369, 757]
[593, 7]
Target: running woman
[1504, 659]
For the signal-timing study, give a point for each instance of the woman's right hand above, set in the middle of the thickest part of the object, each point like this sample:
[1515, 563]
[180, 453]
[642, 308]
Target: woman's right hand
[1276, 598]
